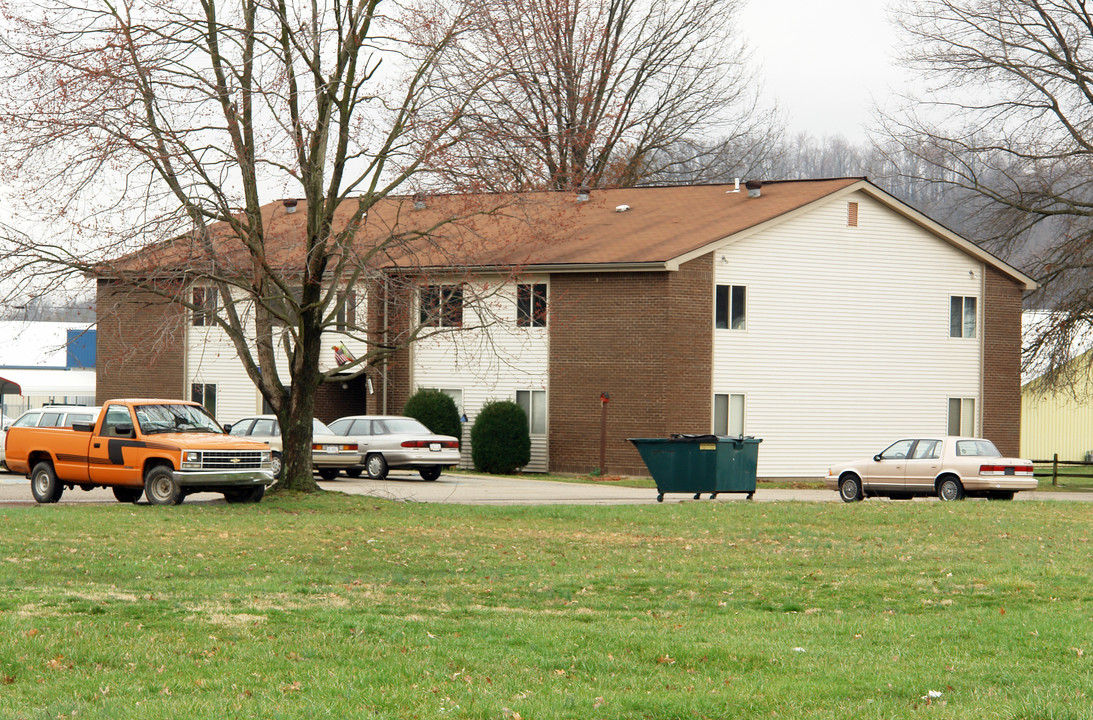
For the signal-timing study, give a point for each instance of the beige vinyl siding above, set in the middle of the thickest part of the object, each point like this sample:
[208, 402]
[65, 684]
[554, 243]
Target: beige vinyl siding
[1056, 423]
[847, 343]
[490, 362]
[211, 358]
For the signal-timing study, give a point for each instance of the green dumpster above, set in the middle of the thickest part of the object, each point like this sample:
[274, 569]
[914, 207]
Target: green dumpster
[697, 464]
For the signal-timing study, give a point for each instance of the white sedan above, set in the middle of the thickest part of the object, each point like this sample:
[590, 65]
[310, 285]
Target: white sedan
[949, 467]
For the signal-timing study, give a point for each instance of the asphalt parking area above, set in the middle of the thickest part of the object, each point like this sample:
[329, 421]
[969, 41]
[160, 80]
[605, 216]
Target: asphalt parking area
[468, 489]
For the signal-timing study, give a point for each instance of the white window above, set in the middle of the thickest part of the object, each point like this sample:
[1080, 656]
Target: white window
[441, 305]
[728, 414]
[531, 305]
[347, 310]
[204, 300]
[534, 403]
[962, 416]
[204, 394]
[730, 307]
[961, 317]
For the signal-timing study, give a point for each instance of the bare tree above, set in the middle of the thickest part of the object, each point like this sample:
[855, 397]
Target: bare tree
[606, 92]
[152, 131]
[1006, 116]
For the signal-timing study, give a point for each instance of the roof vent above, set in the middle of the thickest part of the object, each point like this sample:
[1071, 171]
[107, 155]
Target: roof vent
[582, 194]
[753, 187]
[290, 205]
[622, 208]
[419, 201]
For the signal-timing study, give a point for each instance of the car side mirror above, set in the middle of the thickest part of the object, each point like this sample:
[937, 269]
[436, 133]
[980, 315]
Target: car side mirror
[126, 430]
[86, 427]
[877, 458]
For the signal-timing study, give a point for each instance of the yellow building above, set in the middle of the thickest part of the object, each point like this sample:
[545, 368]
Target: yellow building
[1059, 421]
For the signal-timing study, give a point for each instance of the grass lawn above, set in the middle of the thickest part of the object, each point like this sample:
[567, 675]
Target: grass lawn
[344, 607]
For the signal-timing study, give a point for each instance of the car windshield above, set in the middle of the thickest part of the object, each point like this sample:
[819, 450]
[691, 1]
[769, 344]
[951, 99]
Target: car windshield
[175, 418]
[404, 426]
[976, 448]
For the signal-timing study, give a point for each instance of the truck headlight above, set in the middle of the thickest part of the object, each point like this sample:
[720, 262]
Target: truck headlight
[267, 460]
[191, 459]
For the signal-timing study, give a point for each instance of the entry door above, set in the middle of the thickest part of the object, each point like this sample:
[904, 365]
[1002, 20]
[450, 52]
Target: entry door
[112, 458]
[886, 473]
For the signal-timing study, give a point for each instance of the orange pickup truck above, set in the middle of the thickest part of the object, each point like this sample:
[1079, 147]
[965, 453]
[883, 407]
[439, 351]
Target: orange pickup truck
[162, 449]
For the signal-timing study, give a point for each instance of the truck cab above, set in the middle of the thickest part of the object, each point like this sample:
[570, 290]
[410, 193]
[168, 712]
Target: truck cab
[161, 449]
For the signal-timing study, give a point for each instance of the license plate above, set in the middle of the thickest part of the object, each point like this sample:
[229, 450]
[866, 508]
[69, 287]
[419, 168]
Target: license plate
[330, 449]
[1009, 471]
[434, 447]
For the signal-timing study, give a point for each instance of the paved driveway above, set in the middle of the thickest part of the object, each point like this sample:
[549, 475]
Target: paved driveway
[487, 490]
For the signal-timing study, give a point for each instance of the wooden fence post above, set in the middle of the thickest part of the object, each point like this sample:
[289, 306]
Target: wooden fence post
[1055, 470]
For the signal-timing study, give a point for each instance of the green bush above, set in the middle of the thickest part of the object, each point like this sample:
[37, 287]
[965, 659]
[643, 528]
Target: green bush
[435, 410]
[499, 439]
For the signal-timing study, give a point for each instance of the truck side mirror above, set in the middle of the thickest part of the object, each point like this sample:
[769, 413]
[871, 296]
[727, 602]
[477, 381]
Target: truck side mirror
[86, 427]
[227, 427]
[125, 429]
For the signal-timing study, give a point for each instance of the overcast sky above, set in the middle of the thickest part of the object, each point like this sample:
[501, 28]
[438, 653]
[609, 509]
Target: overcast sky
[824, 61]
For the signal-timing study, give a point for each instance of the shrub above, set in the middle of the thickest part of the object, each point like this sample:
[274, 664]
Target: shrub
[435, 410]
[499, 438]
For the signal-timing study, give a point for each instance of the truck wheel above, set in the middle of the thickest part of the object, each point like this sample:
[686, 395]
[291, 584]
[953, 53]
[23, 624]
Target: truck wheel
[44, 484]
[276, 465]
[160, 487]
[127, 494]
[245, 496]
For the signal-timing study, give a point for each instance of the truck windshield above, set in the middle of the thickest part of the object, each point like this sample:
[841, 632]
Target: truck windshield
[175, 418]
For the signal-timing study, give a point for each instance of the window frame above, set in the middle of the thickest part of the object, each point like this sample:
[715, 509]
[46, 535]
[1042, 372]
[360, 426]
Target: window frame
[731, 307]
[346, 317]
[958, 323]
[531, 304]
[535, 396]
[441, 305]
[966, 412]
[206, 304]
[727, 414]
[202, 390]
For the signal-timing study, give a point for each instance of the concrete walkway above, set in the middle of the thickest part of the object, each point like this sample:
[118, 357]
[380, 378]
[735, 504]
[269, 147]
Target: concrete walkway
[488, 490]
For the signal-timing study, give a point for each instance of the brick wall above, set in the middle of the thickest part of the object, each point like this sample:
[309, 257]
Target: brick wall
[1002, 362]
[398, 293]
[643, 338]
[332, 401]
[139, 344]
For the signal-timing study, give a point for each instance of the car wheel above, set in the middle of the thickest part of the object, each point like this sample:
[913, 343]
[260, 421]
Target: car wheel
[850, 489]
[376, 466]
[128, 494]
[276, 465]
[328, 473]
[44, 484]
[245, 496]
[950, 489]
[353, 472]
[430, 473]
[160, 487]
